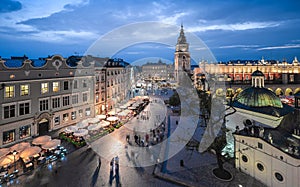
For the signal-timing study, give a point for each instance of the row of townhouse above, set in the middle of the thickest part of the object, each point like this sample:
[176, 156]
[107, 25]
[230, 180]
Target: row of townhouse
[41, 95]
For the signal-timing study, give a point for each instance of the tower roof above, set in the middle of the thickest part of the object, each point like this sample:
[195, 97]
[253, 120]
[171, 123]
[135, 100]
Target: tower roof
[181, 38]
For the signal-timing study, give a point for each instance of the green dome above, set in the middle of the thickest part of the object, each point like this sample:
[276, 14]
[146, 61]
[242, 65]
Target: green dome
[258, 97]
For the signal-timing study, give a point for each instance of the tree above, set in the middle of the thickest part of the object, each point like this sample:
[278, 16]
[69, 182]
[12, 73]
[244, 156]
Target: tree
[218, 145]
[174, 99]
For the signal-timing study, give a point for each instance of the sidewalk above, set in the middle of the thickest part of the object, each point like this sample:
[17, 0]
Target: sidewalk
[197, 169]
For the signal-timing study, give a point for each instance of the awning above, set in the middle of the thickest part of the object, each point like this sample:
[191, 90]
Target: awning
[81, 132]
[41, 140]
[30, 151]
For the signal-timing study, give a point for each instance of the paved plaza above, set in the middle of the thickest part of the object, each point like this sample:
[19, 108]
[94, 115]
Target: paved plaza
[138, 165]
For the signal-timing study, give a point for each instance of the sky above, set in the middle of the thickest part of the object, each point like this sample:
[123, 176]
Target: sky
[229, 30]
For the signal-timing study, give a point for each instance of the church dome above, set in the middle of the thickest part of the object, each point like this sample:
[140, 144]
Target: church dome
[258, 97]
[257, 73]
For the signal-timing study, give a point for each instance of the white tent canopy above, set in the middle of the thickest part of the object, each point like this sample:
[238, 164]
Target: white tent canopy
[71, 129]
[94, 127]
[94, 120]
[112, 118]
[81, 132]
[101, 116]
[104, 123]
[82, 125]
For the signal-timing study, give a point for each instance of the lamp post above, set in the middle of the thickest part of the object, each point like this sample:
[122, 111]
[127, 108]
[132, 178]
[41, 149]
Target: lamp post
[14, 153]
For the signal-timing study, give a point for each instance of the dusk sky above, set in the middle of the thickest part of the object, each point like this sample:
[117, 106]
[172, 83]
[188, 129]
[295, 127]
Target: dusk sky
[231, 29]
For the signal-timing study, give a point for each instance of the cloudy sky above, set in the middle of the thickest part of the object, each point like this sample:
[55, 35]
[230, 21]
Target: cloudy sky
[230, 29]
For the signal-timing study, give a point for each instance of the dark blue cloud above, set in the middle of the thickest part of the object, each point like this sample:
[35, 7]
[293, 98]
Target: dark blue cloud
[9, 6]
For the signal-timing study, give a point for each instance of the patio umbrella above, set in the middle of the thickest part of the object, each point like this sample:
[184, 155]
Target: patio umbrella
[101, 116]
[112, 113]
[81, 132]
[71, 129]
[123, 107]
[94, 120]
[5, 161]
[4, 152]
[19, 147]
[11, 157]
[82, 125]
[104, 123]
[112, 118]
[51, 144]
[41, 140]
[94, 127]
[30, 151]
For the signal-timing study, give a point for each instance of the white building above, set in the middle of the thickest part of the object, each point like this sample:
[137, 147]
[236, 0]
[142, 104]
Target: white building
[265, 144]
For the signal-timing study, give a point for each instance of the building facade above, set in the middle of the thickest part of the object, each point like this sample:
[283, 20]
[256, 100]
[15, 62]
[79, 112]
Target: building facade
[157, 71]
[239, 72]
[112, 84]
[42, 95]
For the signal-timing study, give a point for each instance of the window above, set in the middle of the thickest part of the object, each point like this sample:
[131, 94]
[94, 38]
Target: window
[244, 158]
[73, 115]
[25, 131]
[55, 86]
[97, 98]
[44, 105]
[56, 120]
[9, 111]
[44, 88]
[56, 102]
[66, 85]
[279, 177]
[24, 89]
[75, 99]
[66, 100]
[66, 117]
[260, 167]
[84, 84]
[75, 84]
[80, 112]
[24, 108]
[87, 111]
[9, 91]
[84, 97]
[260, 145]
[8, 136]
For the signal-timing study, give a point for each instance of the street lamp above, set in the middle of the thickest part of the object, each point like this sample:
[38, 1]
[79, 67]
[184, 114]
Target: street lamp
[14, 153]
